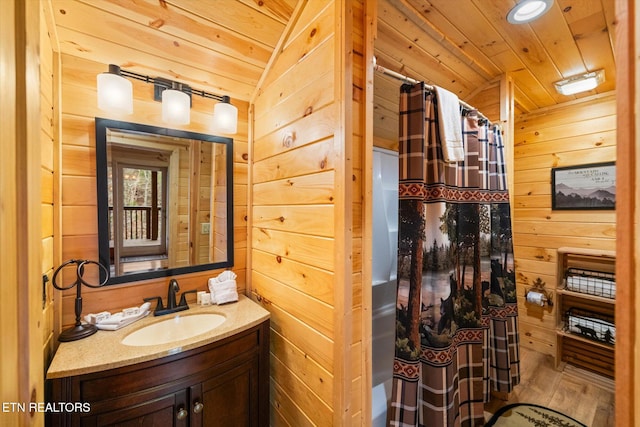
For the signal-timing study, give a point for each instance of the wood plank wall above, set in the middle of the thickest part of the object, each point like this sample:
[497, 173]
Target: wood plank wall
[361, 389]
[385, 113]
[21, 321]
[49, 187]
[8, 219]
[573, 133]
[203, 214]
[487, 101]
[10, 285]
[79, 214]
[627, 48]
[306, 262]
[219, 222]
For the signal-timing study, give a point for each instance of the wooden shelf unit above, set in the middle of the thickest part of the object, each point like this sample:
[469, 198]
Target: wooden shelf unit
[572, 348]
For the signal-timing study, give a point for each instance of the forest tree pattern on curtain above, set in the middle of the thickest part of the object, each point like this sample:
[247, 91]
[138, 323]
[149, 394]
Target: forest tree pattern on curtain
[456, 314]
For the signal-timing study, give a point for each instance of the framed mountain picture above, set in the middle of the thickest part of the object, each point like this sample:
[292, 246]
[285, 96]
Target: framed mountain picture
[591, 186]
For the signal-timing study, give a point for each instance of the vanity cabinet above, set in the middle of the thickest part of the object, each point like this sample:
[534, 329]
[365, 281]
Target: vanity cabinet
[225, 383]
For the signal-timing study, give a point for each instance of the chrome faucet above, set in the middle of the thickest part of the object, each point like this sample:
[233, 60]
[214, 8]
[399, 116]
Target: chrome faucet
[171, 307]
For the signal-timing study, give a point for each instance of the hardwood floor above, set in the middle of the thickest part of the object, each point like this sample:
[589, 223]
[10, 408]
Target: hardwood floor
[585, 396]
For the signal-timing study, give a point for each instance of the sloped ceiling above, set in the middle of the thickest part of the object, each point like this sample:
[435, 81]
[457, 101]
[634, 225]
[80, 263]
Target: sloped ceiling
[217, 45]
[462, 45]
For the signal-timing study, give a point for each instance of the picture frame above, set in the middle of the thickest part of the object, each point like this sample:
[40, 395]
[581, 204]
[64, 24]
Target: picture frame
[584, 187]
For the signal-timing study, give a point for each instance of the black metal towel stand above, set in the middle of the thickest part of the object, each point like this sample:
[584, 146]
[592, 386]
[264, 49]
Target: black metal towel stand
[80, 330]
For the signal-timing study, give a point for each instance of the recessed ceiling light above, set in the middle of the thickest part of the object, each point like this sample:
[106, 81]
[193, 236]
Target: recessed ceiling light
[528, 10]
[580, 83]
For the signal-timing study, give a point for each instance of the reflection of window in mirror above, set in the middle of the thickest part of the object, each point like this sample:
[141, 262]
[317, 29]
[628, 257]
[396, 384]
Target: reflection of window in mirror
[149, 183]
[137, 212]
[165, 200]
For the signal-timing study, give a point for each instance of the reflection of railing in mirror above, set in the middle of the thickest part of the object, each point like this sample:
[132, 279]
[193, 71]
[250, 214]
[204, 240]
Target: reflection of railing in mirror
[138, 223]
[165, 200]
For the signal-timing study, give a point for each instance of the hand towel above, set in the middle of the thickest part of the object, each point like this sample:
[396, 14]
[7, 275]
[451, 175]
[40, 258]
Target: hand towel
[224, 276]
[226, 292]
[223, 288]
[449, 125]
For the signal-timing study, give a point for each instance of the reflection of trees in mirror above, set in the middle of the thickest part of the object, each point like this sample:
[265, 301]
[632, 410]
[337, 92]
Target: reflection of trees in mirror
[137, 187]
[142, 203]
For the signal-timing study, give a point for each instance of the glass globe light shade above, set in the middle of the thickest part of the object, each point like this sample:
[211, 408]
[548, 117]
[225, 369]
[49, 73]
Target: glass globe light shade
[176, 107]
[115, 93]
[225, 118]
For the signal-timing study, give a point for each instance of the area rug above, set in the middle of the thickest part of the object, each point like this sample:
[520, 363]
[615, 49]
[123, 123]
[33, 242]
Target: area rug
[526, 415]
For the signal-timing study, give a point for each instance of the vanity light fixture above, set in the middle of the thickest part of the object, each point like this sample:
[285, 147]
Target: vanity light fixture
[580, 83]
[225, 116]
[176, 105]
[115, 94]
[528, 10]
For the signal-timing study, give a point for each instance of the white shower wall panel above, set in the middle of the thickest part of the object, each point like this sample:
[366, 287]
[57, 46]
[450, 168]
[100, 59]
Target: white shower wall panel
[385, 215]
[384, 265]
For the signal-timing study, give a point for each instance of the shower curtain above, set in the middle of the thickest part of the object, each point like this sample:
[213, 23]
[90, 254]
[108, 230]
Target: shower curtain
[456, 314]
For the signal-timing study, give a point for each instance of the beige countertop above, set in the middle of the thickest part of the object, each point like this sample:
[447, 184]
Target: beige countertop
[104, 350]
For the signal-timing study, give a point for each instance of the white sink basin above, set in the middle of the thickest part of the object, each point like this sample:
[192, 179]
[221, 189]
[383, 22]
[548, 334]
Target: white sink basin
[176, 328]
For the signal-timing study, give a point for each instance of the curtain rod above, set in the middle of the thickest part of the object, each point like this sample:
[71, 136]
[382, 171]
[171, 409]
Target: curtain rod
[404, 78]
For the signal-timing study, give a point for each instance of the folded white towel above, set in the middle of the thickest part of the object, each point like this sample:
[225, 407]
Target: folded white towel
[225, 297]
[226, 275]
[449, 125]
[223, 288]
[119, 320]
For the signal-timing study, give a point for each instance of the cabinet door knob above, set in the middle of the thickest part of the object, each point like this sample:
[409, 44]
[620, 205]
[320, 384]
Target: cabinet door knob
[182, 413]
[198, 407]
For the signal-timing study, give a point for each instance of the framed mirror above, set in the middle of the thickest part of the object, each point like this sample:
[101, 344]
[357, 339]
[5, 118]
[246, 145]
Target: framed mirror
[165, 200]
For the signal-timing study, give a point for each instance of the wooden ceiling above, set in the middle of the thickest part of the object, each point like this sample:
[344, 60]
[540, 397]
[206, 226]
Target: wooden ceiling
[463, 45]
[221, 46]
